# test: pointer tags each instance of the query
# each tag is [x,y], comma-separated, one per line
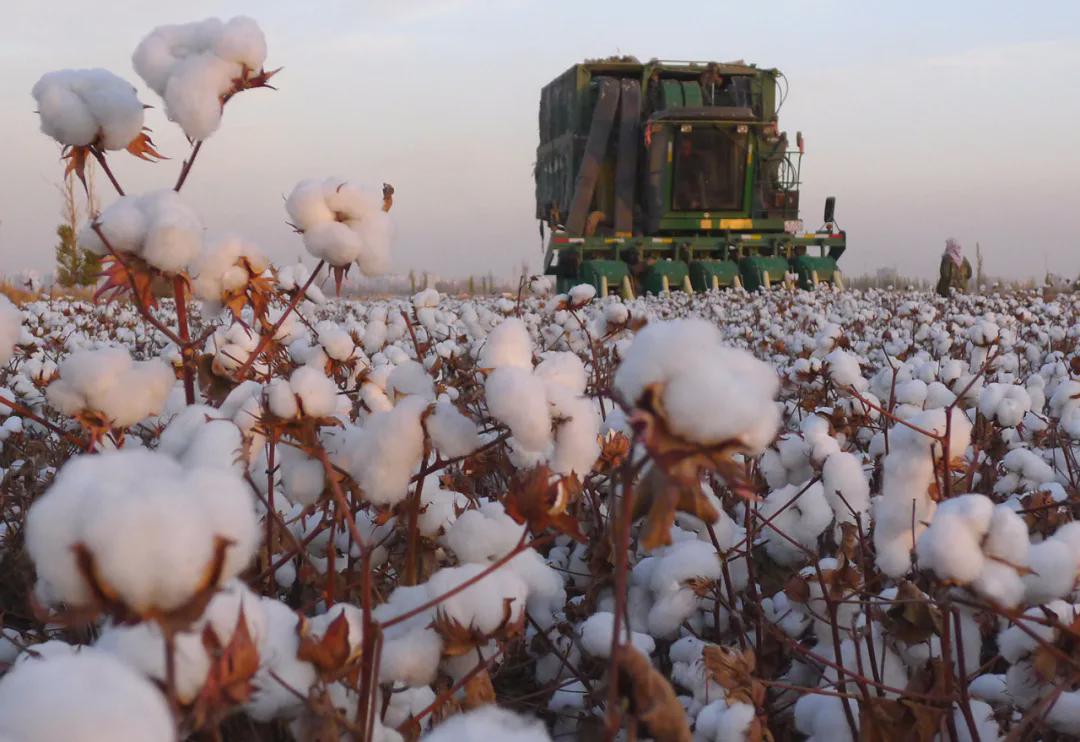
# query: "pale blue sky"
[924,118]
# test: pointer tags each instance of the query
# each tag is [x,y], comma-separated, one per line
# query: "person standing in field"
[955,272]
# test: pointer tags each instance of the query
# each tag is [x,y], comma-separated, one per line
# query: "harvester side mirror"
[799,142]
[830,209]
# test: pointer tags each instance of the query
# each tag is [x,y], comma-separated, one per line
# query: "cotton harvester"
[674,175]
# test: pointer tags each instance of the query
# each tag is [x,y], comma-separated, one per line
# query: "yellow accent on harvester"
[736,224]
[706,224]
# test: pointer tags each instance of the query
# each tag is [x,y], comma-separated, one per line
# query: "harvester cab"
[674,176]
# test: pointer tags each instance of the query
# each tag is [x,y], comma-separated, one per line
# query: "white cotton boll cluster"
[151,526]
[711,393]
[142,646]
[198,437]
[846,489]
[972,542]
[83,107]
[231,348]
[721,721]
[193,65]
[844,370]
[1006,404]
[531,401]
[674,601]
[904,506]
[307,393]
[224,267]
[342,224]
[157,227]
[452,433]
[486,724]
[86,696]
[439,509]
[822,718]
[383,454]
[109,382]
[596,633]
[10,329]
[487,534]
[1024,471]
[280,671]
[799,513]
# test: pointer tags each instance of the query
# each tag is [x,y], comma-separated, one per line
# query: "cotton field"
[235,506]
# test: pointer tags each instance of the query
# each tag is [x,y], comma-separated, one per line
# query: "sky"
[924,119]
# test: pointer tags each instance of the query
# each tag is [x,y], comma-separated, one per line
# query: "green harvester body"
[666,176]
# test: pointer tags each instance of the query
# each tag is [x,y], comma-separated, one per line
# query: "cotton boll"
[489,723]
[108,382]
[242,42]
[10,329]
[483,535]
[439,509]
[280,671]
[951,548]
[307,206]
[383,455]
[597,631]
[90,697]
[485,604]
[576,433]
[452,433]
[1064,715]
[149,524]
[986,727]
[410,377]
[846,488]
[1053,572]
[518,399]
[83,107]
[342,224]
[316,393]
[802,521]
[564,369]
[508,345]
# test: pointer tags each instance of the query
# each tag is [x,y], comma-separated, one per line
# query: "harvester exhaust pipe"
[830,209]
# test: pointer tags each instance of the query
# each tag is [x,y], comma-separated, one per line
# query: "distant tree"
[74,265]
[412,281]
[472,286]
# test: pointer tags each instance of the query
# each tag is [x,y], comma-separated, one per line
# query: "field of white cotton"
[234,508]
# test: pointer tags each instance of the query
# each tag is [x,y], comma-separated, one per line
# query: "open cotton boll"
[564,369]
[674,600]
[452,433]
[142,646]
[342,223]
[577,431]
[518,398]
[439,509]
[596,633]
[193,65]
[316,394]
[108,382]
[224,266]
[846,488]
[486,724]
[410,377]
[1005,403]
[508,345]
[1064,715]
[698,373]
[83,107]
[1053,571]
[10,328]
[485,534]
[382,455]
[822,718]
[485,604]
[802,521]
[157,227]
[88,696]
[150,525]
[280,671]
[844,370]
